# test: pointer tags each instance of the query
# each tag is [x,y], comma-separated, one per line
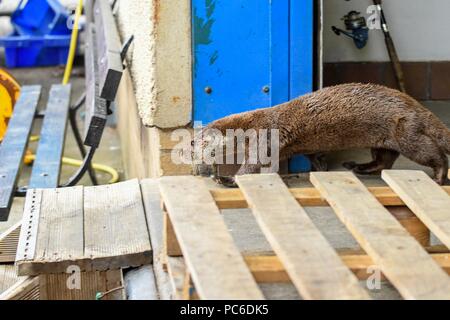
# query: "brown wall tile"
[424,80]
[417,79]
[440,81]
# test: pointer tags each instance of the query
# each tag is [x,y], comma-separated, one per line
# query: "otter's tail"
[440,133]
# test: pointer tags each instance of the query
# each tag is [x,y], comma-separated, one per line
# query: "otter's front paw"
[442,181]
[226,181]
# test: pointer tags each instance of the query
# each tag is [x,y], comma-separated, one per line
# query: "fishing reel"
[357,28]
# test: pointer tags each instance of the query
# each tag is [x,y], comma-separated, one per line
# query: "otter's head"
[204,145]
[208,144]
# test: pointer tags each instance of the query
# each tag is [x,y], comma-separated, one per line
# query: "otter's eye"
[192,143]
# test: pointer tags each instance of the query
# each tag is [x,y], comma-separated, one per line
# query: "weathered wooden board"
[8,277]
[54,286]
[401,258]
[60,237]
[96,109]
[116,233]
[217,267]
[26,288]
[8,244]
[176,268]
[307,197]
[313,265]
[94,228]
[155,222]
[425,198]
[47,166]
[89,10]
[269,269]
[14,144]
[110,67]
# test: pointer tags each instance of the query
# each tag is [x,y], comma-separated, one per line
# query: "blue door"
[250,54]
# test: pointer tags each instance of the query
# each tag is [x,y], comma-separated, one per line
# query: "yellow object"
[29,158]
[35,138]
[73,43]
[9,93]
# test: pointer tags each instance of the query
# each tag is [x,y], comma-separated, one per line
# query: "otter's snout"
[204,170]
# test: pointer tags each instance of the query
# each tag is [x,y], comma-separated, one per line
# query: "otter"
[351,116]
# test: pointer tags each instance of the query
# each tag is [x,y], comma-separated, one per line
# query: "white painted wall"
[420,29]
[160,59]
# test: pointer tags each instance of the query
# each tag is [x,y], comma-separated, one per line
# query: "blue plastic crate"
[28,51]
[299,163]
[40,17]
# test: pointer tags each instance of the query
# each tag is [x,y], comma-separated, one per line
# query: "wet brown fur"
[352,116]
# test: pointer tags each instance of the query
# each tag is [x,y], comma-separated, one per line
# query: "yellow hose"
[77,163]
[73,43]
[29,158]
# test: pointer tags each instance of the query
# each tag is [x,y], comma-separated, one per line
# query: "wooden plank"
[47,166]
[59,241]
[8,277]
[91,283]
[89,10]
[412,224]
[27,288]
[96,110]
[9,241]
[269,268]
[307,197]
[61,228]
[110,67]
[177,273]
[425,198]
[116,234]
[115,285]
[94,228]
[313,265]
[155,222]
[401,258]
[171,245]
[14,144]
[216,265]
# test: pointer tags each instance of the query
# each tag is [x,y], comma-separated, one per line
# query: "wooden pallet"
[94,228]
[203,261]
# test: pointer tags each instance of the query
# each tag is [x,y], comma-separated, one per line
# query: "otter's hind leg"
[424,151]
[382,159]
[441,172]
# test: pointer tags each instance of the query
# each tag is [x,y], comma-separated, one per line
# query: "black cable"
[73,181]
[76,132]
